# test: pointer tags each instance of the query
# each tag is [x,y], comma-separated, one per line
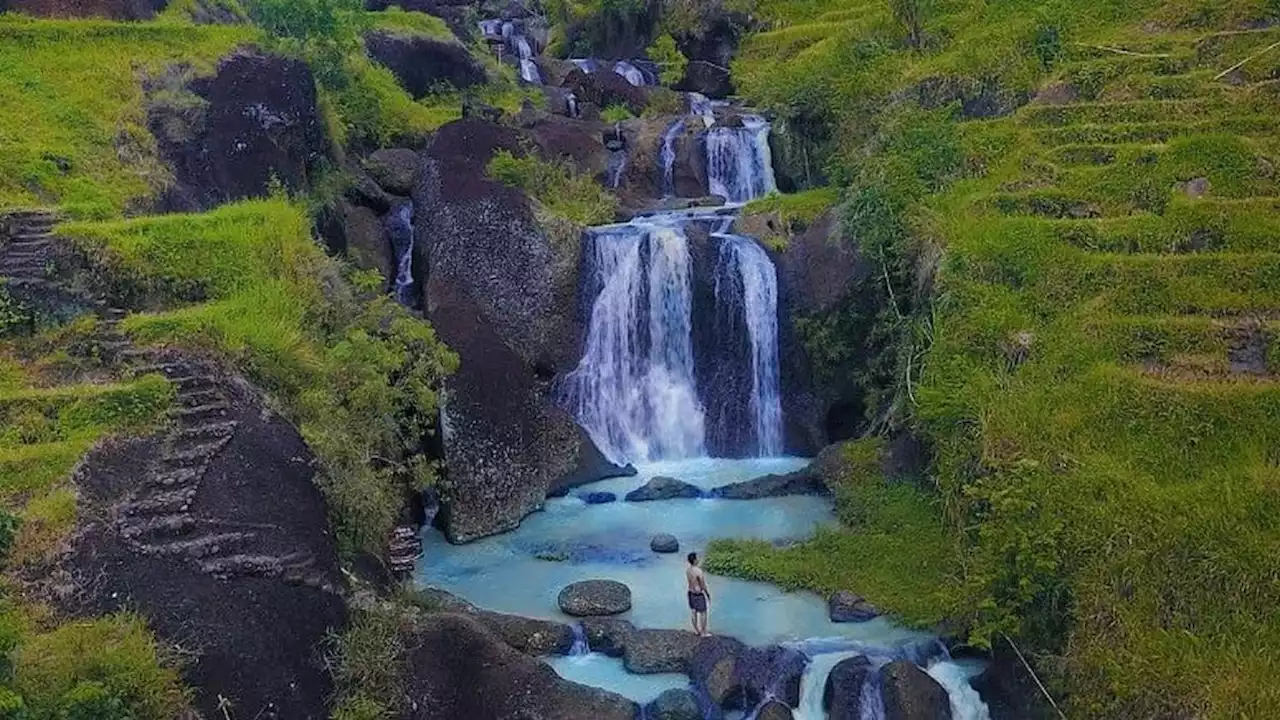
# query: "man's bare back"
[697,579]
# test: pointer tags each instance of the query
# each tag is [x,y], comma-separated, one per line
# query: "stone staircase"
[159,516]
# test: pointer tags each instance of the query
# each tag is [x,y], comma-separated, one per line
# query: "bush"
[616,114]
[671,62]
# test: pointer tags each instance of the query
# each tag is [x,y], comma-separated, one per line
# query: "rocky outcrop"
[109,9]
[456,668]
[737,677]
[664,488]
[395,170]
[216,533]
[422,64]
[608,635]
[713,670]
[356,232]
[842,695]
[598,498]
[674,704]
[800,482]
[774,710]
[503,296]
[664,543]
[847,607]
[528,635]
[604,88]
[910,694]
[252,123]
[659,651]
[595,597]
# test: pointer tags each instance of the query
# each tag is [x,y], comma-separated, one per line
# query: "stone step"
[198,398]
[160,526]
[164,503]
[194,382]
[169,478]
[200,547]
[193,454]
[25,252]
[202,413]
[164,368]
[207,431]
[268,565]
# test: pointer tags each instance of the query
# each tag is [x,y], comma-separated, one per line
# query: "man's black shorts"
[697,602]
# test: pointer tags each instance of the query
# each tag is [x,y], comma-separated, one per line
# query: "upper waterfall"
[739,162]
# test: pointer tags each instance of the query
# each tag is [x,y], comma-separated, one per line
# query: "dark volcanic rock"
[598,498]
[505,298]
[846,607]
[842,695]
[707,78]
[528,635]
[774,710]
[595,597]
[664,543]
[258,123]
[247,572]
[111,9]
[459,669]
[674,704]
[422,64]
[607,635]
[664,488]
[659,651]
[395,170]
[910,694]
[356,231]
[800,482]
[713,669]
[604,88]
[772,670]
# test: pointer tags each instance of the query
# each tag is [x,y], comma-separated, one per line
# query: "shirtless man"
[699,595]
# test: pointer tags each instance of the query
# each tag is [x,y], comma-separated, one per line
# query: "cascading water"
[669,158]
[739,162]
[617,166]
[398,226]
[630,72]
[747,282]
[580,646]
[528,68]
[634,388]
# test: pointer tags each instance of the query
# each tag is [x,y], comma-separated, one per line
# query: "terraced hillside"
[1088,196]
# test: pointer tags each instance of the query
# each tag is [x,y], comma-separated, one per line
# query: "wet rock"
[394,169]
[258,123]
[364,191]
[595,597]
[910,694]
[422,64]
[774,710]
[708,78]
[457,668]
[801,482]
[604,88]
[528,635]
[598,498]
[674,704]
[356,232]
[664,543]
[847,607]
[659,651]
[608,635]
[713,669]
[773,671]
[664,488]
[842,695]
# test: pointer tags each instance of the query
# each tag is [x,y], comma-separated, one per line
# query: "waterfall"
[617,166]
[669,158]
[966,703]
[739,163]
[491,28]
[630,72]
[580,645]
[704,107]
[634,389]
[398,226]
[747,282]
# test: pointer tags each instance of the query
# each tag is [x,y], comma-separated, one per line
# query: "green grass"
[73,99]
[795,212]
[396,20]
[559,189]
[355,371]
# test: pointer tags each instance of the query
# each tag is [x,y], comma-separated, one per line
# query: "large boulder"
[708,78]
[607,635]
[674,704]
[456,668]
[713,669]
[664,488]
[910,694]
[773,671]
[356,232]
[774,710]
[800,482]
[109,9]
[847,607]
[604,88]
[529,635]
[665,543]
[842,696]
[395,170]
[659,651]
[503,296]
[590,598]
[422,64]
[253,123]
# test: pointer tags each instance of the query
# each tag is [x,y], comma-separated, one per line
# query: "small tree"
[671,62]
[911,13]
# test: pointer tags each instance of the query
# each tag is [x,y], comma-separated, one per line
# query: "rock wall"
[504,297]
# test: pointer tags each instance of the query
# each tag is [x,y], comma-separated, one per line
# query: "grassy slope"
[1116,490]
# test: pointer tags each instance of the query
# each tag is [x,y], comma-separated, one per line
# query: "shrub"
[671,62]
[616,114]
[368,661]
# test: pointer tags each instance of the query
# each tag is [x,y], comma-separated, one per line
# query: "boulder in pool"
[664,488]
[847,607]
[774,710]
[530,636]
[842,695]
[773,671]
[607,635]
[664,543]
[801,482]
[713,668]
[595,597]
[659,651]
[674,704]
[598,498]
[910,694]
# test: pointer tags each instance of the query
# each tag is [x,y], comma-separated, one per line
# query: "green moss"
[399,21]
[795,212]
[557,187]
[74,117]
[616,114]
